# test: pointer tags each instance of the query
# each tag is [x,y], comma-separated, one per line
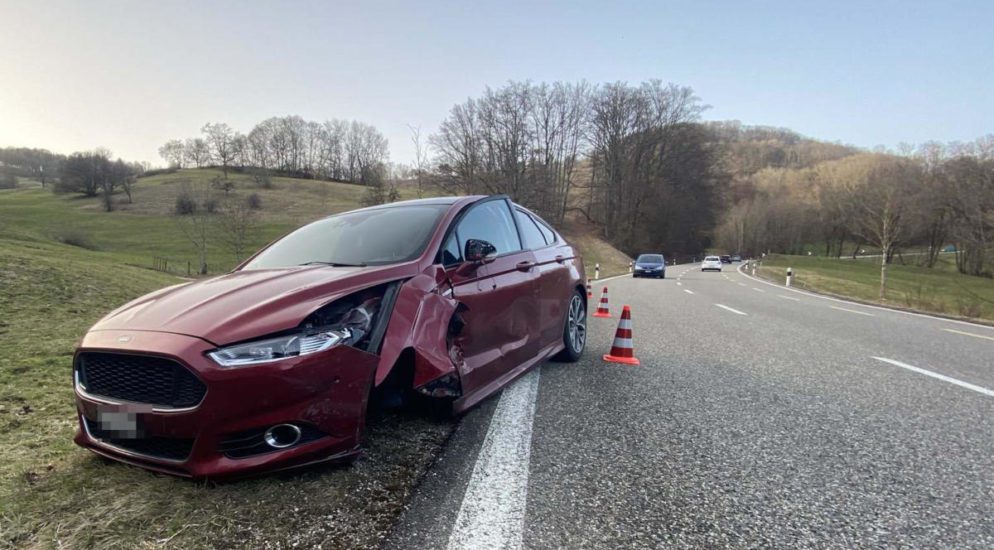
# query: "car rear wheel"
[574,331]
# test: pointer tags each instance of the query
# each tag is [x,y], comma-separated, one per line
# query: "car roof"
[432,201]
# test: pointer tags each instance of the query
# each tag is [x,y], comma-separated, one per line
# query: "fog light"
[282,436]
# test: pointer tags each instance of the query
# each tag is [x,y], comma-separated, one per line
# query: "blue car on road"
[650,265]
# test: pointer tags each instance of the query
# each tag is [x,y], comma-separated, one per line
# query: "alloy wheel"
[577,324]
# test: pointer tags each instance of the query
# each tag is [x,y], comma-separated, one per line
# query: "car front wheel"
[574,331]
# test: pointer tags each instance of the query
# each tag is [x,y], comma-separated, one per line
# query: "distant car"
[736,258]
[726,259]
[650,265]
[711,263]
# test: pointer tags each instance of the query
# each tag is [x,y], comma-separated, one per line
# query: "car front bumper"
[324,394]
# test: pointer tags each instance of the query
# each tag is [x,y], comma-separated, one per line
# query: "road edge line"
[492,512]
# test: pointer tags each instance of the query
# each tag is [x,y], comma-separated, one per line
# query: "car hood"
[244,304]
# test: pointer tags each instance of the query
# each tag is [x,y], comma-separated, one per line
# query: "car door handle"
[560,258]
[525,266]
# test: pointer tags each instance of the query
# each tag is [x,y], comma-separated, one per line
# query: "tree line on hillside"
[94,173]
[25,162]
[335,150]
[922,197]
[632,158]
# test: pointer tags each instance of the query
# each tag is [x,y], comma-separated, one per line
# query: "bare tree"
[970,185]
[238,223]
[124,176]
[197,225]
[197,152]
[881,191]
[378,191]
[173,152]
[522,139]
[420,157]
[646,153]
[223,143]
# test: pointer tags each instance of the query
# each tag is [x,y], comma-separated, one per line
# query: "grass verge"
[940,290]
[54,494]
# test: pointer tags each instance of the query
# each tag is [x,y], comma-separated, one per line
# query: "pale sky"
[131,75]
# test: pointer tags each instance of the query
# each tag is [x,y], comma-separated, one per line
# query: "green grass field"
[938,290]
[53,494]
[136,233]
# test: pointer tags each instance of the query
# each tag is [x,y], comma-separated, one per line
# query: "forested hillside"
[923,198]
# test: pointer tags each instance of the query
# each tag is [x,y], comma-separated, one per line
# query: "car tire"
[574,330]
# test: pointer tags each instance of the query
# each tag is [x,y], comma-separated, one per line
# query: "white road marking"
[853,311]
[688,291]
[789,298]
[730,309]
[492,514]
[758,289]
[598,281]
[678,283]
[954,331]
[742,284]
[942,377]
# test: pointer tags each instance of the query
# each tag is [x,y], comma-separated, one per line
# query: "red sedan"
[272,366]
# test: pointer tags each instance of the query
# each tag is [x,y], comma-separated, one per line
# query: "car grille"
[140,379]
[252,442]
[167,448]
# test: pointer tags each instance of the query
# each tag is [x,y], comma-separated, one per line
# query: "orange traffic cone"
[590,289]
[622,350]
[602,309]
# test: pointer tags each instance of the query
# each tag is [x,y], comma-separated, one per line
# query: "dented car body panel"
[272,367]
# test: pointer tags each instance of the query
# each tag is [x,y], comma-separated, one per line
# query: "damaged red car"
[272,365]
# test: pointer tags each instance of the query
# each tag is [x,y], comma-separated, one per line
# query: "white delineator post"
[790,276]
[629,267]
[597,271]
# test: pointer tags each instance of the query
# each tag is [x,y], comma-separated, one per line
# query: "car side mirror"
[479,251]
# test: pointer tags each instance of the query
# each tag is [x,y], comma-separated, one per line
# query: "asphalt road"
[759,417]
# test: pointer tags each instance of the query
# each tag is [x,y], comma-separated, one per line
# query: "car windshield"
[367,237]
[711,259]
[650,259]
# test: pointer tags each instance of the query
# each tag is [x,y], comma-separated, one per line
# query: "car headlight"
[282,347]
[348,321]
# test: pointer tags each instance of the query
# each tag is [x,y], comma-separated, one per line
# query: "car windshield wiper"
[334,264]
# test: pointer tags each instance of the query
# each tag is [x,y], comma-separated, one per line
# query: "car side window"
[548,233]
[529,231]
[491,222]
[451,254]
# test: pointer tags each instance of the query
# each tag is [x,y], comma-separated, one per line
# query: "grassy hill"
[136,233]
[53,494]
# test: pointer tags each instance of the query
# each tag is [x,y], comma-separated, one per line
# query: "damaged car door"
[495,281]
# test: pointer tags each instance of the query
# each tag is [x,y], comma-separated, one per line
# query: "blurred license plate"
[122,425]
